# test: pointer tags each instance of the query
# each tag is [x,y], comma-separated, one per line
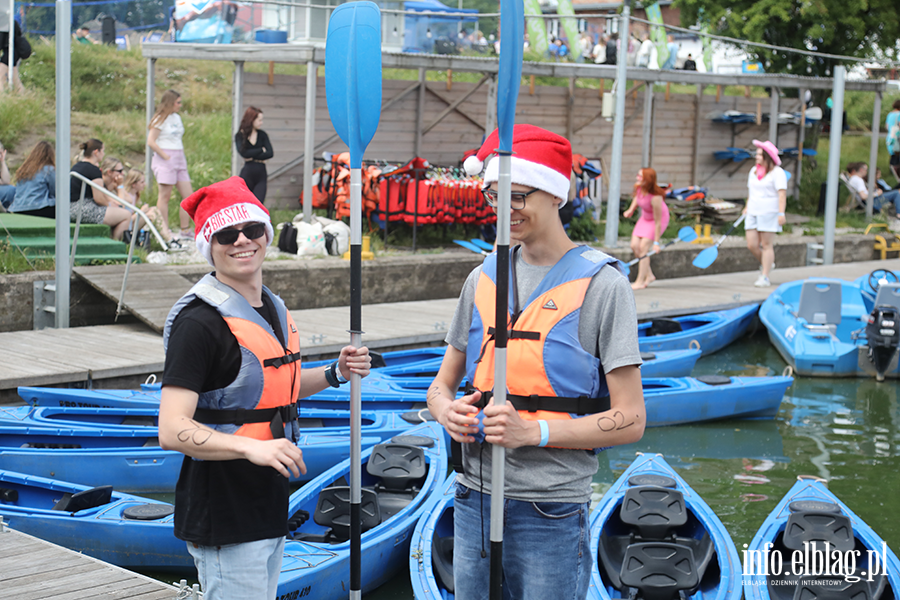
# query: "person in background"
[255,148]
[577,325]
[36,183]
[886,202]
[880,182]
[562,51]
[7,190]
[96,207]
[892,126]
[672,47]
[169,165]
[228,409]
[21,51]
[587,44]
[83,35]
[599,51]
[689,64]
[646,54]
[766,203]
[131,191]
[612,50]
[648,230]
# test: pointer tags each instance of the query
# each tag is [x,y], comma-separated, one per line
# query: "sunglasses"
[226,237]
[119,170]
[516,199]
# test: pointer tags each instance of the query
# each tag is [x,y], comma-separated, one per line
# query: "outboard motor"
[883,335]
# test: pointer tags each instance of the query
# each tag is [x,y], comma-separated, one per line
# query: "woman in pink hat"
[766,201]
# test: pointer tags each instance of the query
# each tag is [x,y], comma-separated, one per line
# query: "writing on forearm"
[197,435]
[614,423]
[433,392]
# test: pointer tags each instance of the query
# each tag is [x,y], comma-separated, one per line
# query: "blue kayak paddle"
[470,246]
[685,234]
[482,244]
[353,94]
[709,255]
[509,80]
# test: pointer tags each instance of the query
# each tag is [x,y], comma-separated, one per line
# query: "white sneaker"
[763,281]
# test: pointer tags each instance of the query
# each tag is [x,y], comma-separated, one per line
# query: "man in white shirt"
[858,172]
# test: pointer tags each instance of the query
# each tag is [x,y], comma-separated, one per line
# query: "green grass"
[12,261]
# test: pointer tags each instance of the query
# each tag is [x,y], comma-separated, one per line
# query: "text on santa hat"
[225,218]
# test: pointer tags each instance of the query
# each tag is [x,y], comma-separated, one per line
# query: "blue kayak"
[653,535]
[710,331]
[431,549]
[399,478]
[125,530]
[819,326]
[131,461]
[860,564]
[144,421]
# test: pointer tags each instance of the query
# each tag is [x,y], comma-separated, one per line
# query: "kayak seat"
[85,499]
[663,326]
[820,303]
[139,421]
[148,512]
[824,587]
[648,356]
[653,511]
[659,570]
[819,527]
[402,470]
[417,416]
[333,511]
[888,295]
[8,495]
[442,561]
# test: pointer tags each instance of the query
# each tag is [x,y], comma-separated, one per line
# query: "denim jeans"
[892,196]
[247,571]
[546,548]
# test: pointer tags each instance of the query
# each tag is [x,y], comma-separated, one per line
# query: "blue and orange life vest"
[544,356]
[260,402]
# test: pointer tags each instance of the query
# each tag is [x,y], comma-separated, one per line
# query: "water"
[844,430]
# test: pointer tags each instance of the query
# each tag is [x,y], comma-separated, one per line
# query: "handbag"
[287,239]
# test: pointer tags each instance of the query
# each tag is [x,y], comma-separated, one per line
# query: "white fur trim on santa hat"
[525,172]
[232,215]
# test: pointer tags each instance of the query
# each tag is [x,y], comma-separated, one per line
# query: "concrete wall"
[325,282]
[550,107]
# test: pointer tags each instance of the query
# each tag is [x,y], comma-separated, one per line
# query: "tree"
[860,28]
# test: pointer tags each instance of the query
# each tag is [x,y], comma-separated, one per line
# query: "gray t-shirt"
[607,328]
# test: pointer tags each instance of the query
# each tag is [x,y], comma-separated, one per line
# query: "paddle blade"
[353,75]
[687,234]
[482,244]
[706,257]
[512,36]
[470,246]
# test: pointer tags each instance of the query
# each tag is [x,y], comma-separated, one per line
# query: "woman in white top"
[766,202]
[169,164]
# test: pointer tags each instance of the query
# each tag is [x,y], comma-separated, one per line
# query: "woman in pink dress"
[648,196]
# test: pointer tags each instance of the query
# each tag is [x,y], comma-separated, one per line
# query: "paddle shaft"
[730,229]
[635,261]
[355,385]
[498,453]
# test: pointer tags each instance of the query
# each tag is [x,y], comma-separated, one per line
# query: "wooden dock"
[118,355]
[32,569]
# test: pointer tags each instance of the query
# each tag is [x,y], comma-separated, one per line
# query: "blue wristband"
[545,433]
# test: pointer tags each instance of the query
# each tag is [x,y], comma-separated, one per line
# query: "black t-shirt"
[261,150]
[88,170]
[220,502]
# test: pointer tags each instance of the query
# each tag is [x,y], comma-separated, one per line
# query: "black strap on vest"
[533,403]
[276,417]
[282,360]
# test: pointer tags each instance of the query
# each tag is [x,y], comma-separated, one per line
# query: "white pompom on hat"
[541,159]
[221,205]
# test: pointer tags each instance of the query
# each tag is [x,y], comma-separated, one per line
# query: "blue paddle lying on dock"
[471,246]
[685,234]
[353,93]
[709,256]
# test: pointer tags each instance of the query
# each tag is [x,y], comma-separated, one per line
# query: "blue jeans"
[7,195]
[247,571]
[891,197]
[546,548]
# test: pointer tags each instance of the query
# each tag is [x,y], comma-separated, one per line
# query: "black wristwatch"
[333,375]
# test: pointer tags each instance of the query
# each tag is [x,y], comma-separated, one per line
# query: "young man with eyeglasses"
[230,386]
[573,384]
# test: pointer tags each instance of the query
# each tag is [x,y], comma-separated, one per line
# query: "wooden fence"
[451,123]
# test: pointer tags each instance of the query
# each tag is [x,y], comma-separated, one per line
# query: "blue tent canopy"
[428,33]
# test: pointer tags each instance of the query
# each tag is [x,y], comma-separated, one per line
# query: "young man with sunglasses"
[573,384]
[230,386]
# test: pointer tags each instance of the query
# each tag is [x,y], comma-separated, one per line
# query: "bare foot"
[649,280]
[638,285]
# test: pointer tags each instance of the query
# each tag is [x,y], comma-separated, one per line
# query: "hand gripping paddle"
[353,93]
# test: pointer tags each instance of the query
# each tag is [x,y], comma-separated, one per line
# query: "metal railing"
[135,229]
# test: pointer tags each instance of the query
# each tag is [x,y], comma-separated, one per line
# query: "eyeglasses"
[226,237]
[119,170]
[516,199]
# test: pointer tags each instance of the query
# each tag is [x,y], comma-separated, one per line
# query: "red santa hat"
[221,205]
[541,159]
